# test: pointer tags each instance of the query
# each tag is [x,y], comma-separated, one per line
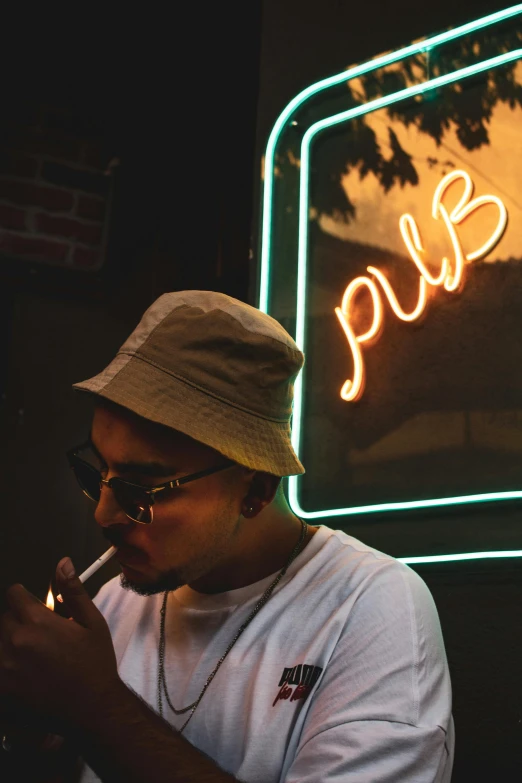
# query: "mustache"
[115,535]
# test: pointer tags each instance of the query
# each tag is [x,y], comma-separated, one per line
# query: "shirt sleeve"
[381,713]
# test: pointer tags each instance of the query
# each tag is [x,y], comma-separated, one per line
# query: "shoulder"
[388,637]
[353,568]
[374,596]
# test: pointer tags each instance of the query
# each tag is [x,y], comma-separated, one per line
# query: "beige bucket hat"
[215,369]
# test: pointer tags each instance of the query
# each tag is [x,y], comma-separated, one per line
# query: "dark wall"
[173,100]
[479,602]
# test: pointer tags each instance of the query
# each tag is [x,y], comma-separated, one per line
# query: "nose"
[108,511]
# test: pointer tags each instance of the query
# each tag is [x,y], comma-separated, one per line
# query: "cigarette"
[93,568]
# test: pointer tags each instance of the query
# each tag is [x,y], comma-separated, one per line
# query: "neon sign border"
[303,224]
[308,137]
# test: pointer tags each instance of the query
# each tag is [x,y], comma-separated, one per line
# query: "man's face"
[195,527]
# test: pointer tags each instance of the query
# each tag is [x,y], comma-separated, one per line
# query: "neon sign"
[289,292]
[450,275]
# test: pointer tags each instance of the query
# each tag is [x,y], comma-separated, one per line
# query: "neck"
[262,546]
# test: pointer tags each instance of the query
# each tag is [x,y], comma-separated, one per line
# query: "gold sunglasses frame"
[72,457]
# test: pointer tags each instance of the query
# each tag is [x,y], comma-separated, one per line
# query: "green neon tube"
[461,556]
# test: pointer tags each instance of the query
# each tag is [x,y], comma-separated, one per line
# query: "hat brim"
[250,440]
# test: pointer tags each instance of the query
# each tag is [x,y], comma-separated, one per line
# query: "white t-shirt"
[340,678]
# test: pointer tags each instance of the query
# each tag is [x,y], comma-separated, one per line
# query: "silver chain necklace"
[162,685]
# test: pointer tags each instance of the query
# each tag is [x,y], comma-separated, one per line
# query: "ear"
[262,490]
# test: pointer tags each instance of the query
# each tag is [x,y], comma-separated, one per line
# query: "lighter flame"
[50,600]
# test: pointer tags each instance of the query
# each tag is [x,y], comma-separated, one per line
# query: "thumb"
[75,595]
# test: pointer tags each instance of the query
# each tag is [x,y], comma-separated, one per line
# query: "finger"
[8,623]
[22,603]
[75,596]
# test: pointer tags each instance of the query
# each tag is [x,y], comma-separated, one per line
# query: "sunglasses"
[136,500]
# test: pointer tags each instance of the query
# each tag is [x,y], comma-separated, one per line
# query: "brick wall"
[55,190]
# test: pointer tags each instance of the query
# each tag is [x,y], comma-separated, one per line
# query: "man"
[239,643]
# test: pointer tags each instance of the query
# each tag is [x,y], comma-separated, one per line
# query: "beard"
[166,583]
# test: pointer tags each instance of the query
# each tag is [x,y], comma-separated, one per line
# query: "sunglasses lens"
[88,478]
[133,501]
[136,503]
